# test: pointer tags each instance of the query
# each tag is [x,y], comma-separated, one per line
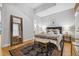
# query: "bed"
[52,35]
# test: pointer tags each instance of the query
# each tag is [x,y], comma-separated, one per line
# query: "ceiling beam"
[55,9]
[43,7]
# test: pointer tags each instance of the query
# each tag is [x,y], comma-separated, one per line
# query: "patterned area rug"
[36,50]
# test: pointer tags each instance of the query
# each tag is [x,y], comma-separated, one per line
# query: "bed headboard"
[60,28]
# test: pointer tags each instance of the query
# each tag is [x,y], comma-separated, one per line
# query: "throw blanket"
[46,36]
[56,39]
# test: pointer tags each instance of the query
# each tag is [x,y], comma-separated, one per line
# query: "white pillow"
[57,31]
[51,33]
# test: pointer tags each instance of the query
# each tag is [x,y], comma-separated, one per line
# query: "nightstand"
[67,38]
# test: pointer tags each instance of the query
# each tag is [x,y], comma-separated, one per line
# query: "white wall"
[64,19]
[12,9]
[77,25]
[0,29]
[0,15]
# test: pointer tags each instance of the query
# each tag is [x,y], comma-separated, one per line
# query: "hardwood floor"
[66,51]
[5,50]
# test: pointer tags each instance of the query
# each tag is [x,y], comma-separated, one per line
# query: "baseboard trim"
[26,40]
[7,45]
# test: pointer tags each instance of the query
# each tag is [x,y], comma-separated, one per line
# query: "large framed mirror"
[16,28]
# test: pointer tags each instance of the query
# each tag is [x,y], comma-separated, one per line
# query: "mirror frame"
[11,29]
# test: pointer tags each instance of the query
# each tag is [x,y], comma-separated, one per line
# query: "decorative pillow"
[51,33]
[57,31]
[54,31]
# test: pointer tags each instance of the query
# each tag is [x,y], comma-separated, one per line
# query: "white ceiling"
[58,8]
[50,10]
[34,5]
[43,7]
[30,5]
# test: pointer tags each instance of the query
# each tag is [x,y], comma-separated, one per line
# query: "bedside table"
[67,38]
